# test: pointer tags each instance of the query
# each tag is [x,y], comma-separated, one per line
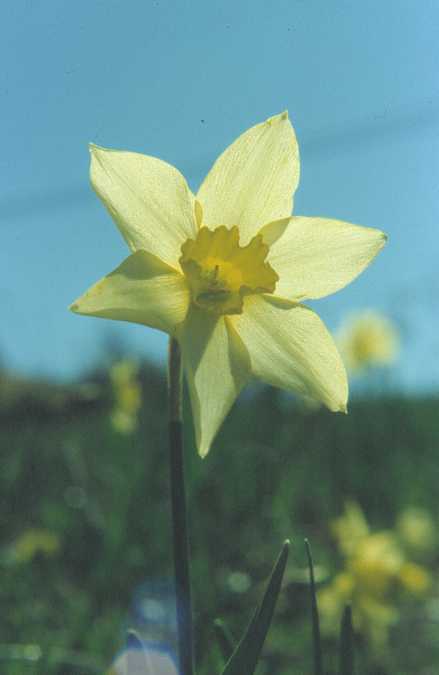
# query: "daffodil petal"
[143,289]
[253,181]
[217,365]
[148,200]
[291,348]
[317,256]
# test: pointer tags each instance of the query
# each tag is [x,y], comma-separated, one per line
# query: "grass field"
[85,516]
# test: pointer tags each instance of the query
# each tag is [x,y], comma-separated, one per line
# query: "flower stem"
[179,525]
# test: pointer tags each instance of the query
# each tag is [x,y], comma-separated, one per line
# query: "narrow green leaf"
[317,647]
[224,640]
[346,656]
[246,656]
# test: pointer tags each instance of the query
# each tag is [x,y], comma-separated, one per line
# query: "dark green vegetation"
[274,472]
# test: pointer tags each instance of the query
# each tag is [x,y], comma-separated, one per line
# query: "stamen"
[212,295]
[220,272]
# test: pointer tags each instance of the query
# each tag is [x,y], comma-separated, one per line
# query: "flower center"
[220,272]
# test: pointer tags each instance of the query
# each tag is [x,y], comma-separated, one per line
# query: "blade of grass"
[317,647]
[246,656]
[224,641]
[346,655]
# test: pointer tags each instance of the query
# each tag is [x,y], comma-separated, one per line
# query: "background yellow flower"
[368,339]
[127,395]
[377,570]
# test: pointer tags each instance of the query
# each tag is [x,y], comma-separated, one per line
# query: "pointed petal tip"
[380,235]
[337,396]
[203,449]
[335,405]
[341,404]
[278,118]
[95,150]
[382,239]
[77,307]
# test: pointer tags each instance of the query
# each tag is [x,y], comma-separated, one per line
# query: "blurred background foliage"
[85,512]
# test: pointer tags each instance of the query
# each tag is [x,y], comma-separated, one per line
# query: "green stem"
[179,526]
[317,647]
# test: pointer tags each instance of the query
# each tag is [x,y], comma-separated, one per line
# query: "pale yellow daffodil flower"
[223,272]
[367,339]
[376,576]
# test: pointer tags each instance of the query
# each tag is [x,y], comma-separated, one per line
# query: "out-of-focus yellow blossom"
[32,542]
[350,529]
[367,339]
[376,573]
[416,529]
[127,395]
[415,579]
[224,271]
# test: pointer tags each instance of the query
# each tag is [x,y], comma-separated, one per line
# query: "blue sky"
[180,80]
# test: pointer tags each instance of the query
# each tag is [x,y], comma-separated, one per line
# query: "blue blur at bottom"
[145,659]
[151,630]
